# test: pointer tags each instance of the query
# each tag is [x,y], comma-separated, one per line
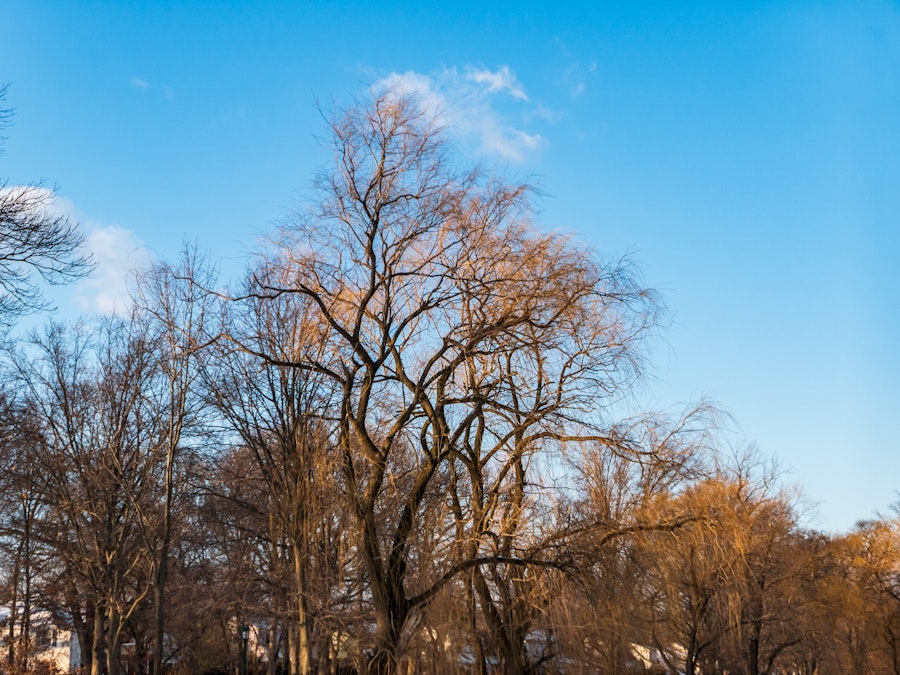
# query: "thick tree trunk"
[84,631]
[753,656]
[513,658]
[292,649]
[387,638]
[390,617]
[113,644]
[303,641]
[98,644]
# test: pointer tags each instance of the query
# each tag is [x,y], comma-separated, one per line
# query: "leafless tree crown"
[36,243]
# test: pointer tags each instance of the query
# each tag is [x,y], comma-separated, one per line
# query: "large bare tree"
[458,337]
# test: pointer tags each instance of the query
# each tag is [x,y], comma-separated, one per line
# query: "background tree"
[874,572]
[768,582]
[86,390]
[22,509]
[836,621]
[624,482]
[176,311]
[280,415]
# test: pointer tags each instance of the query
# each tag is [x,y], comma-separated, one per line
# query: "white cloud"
[471,105]
[501,80]
[118,253]
[510,143]
[138,83]
[422,87]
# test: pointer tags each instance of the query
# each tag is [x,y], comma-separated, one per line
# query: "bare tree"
[86,390]
[687,577]
[280,414]
[22,508]
[874,565]
[35,242]
[729,586]
[176,312]
[420,462]
[454,333]
[622,482]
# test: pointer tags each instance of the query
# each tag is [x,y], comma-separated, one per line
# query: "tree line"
[398,445]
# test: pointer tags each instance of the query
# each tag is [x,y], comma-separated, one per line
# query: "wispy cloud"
[118,253]
[500,80]
[143,85]
[487,106]
[574,75]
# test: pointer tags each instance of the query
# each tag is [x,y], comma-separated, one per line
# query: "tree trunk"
[690,659]
[302,610]
[474,637]
[113,643]
[390,616]
[272,646]
[98,644]
[753,655]
[512,652]
[292,649]
[159,617]
[11,641]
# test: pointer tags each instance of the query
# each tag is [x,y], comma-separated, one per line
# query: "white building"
[51,643]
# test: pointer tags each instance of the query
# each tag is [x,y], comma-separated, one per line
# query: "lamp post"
[245,633]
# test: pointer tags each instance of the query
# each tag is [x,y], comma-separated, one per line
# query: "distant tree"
[86,389]
[21,509]
[624,485]
[244,557]
[279,414]
[839,627]
[769,582]
[35,242]
[175,311]
[875,566]
[688,571]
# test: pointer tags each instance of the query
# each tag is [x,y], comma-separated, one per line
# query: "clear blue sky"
[746,154]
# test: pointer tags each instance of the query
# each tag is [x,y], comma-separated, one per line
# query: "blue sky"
[747,155]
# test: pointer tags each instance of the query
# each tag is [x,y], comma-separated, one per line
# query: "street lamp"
[245,633]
